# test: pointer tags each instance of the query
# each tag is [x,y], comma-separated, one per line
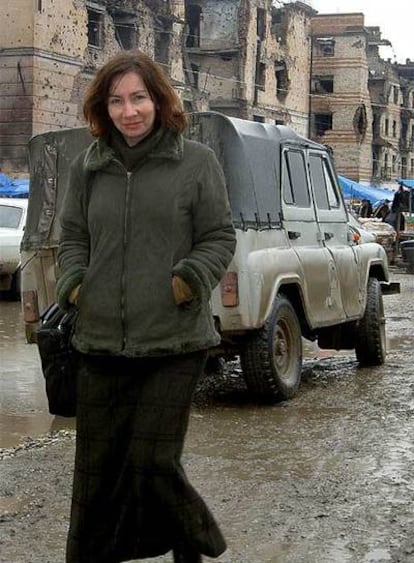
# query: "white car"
[12,221]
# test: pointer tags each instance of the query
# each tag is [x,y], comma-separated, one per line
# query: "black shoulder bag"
[58,359]
[57,355]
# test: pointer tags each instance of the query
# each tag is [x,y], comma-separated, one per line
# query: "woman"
[146,235]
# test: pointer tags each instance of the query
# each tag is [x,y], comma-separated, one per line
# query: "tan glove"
[181,291]
[74,295]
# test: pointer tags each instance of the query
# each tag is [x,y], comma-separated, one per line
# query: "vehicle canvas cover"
[250,154]
[50,156]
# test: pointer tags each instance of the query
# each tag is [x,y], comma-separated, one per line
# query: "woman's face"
[130,107]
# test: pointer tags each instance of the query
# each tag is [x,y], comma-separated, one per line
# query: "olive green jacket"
[125,234]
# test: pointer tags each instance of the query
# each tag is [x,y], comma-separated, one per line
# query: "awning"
[407,183]
[374,194]
[13,187]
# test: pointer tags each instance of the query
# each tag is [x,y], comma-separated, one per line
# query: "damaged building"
[51,49]
[251,59]
[245,58]
[269,61]
[361,105]
[341,113]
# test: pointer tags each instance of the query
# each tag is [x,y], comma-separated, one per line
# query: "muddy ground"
[323,478]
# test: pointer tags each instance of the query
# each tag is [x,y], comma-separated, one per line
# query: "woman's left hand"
[181,291]
[74,295]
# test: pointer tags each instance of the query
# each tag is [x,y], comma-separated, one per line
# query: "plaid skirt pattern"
[131,497]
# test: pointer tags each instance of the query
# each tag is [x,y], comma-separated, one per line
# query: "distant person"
[400,200]
[139,257]
[382,210]
[399,204]
[365,209]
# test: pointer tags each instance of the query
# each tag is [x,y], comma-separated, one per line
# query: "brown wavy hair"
[170,113]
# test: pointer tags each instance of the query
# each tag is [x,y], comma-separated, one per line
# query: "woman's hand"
[181,291]
[74,295]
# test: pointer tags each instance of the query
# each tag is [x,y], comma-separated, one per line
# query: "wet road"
[324,478]
[23,407]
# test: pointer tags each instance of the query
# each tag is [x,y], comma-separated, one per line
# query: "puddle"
[23,403]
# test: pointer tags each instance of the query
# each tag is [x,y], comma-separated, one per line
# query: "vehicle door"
[333,221]
[300,222]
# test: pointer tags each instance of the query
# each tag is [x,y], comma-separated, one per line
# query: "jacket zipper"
[123,278]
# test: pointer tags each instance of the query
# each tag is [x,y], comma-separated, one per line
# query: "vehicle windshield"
[10,216]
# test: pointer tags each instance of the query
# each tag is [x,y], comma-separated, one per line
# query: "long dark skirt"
[131,497]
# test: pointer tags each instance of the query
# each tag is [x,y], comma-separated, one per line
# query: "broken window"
[261,24]
[188,106]
[375,125]
[125,30]
[360,121]
[404,130]
[261,76]
[395,94]
[193,18]
[386,172]
[279,26]
[325,46]
[196,73]
[276,16]
[95,28]
[322,85]
[282,79]
[403,167]
[376,163]
[323,122]
[161,46]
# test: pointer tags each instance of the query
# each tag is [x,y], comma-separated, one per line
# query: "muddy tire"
[271,358]
[370,345]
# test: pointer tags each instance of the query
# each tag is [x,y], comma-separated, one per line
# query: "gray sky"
[395,18]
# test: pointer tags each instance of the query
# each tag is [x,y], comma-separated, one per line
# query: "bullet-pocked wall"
[252,59]
[51,50]
[340,98]
[43,44]
[16,83]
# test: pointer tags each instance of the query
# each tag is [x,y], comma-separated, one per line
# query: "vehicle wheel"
[271,358]
[370,336]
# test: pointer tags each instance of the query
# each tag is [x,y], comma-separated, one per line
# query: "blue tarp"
[374,194]
[407,183]
[13,187]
